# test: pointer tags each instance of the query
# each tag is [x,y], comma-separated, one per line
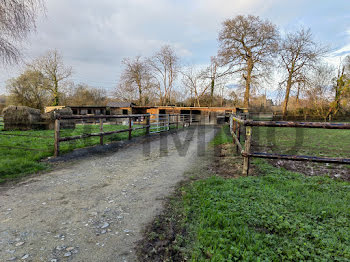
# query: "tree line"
[251,51]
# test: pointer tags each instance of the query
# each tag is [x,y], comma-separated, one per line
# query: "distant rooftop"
[120,104]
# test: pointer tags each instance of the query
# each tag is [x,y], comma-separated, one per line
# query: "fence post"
[234,130]
[148,122]
[190,122]
[57,138]
[177,121]
[238,134]
[101,130]
[129,128]
[247,144]
[168,122]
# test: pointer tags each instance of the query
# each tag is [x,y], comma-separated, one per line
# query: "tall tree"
[298,53]
[193,80]
[165,67]
[137,75]
[29,89]
[247,47]
[51,65]
[17,19]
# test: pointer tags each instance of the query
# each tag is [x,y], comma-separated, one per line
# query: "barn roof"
[120,104]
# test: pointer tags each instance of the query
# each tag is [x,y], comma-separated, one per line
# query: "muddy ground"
[96,208]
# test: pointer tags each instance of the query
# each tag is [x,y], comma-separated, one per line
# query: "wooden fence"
[146,122]
[236,124]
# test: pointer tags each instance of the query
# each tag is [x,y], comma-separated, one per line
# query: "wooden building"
[120,108]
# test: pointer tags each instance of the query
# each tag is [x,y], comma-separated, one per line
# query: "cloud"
[94,36]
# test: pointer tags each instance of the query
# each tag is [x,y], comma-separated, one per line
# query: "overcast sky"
[94,36]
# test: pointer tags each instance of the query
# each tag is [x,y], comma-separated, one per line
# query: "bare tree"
[216,74]
[125,92]
[318,89]
[137,75]
[165,68]
[83,95]
[52,67]
[247,46]
[29,89]
[298,53]
[17,19]
[193,80]
[341,87]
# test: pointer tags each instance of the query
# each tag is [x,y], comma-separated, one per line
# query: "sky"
[94,36]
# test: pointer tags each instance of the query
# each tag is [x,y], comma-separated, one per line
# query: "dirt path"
[96,208]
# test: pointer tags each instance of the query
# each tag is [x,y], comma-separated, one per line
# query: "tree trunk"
[298,93]
[56,101]
[140,97]
[212,91]
[286,99]
[247,84]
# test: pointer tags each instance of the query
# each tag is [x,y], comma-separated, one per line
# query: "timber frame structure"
[235,128]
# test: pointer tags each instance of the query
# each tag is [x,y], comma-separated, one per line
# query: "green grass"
[15,163]
[278,216]
[304,141]
[223,137]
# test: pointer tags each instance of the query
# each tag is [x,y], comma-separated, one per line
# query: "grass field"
[15,163]
[304,141]
[277,216]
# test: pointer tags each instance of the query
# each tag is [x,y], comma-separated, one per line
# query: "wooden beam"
[247,145]
[297,124]
[57,138]
[301,158]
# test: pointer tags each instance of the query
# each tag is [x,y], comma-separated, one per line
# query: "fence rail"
[235,128]
[148,122]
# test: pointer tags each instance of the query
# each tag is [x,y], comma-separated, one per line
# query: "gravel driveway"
[95,208]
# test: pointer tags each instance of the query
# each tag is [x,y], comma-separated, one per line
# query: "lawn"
[15,163]
[277,216]
[303,141]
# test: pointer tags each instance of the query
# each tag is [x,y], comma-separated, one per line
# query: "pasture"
[21,155]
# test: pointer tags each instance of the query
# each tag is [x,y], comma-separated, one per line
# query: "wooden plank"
[238,137]
[57,138]
[247,144]
[297,124]
[69,138]
[301,158]
[101,131]
[241,121]
[130,130]
[148,124]
[97,116]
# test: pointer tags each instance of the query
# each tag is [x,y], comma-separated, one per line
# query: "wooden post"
[57,138]
[168,122]
[130,128]
[190,122]
[247,145]
[234,127]
[101,130]
[148,122]
[238,134]
[177,121]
